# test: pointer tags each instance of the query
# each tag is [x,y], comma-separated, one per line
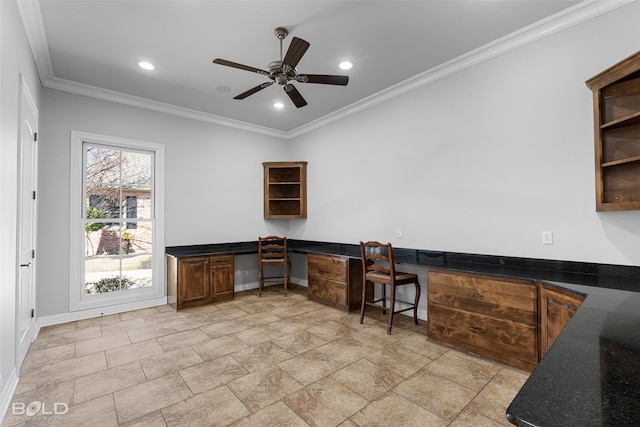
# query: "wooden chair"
[272,250]
[379,268]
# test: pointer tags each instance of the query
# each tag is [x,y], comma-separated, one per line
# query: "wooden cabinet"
[193,281]
[557,307]
[221,268]
[335,281]
[199,280]
[616,107]
[285,190]
[493,317]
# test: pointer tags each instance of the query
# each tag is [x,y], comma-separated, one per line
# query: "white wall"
[213,181]
[479,162]
[16,59]
[482,161]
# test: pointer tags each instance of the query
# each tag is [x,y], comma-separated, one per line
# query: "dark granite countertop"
[591,374]
[600,275]
[238,248]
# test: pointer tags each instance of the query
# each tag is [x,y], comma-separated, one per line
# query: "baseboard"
[57,319]
[8,389]
[245,287]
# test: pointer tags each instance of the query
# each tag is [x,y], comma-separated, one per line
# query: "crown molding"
[581,12]
[567,18]
[34,28]
[149,104]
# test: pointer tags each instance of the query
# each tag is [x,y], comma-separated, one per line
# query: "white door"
[26,223]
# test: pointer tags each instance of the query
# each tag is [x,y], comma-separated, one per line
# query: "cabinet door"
[556,309]
[221,276]
[193,279]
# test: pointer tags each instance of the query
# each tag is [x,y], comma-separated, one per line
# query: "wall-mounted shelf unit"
[616,108]
[285,190]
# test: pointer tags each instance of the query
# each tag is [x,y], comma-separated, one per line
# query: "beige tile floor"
[270,361]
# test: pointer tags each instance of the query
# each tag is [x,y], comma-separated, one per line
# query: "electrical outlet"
[547,237]
[399,232]
[400,289]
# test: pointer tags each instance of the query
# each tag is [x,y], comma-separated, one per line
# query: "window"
[117,210]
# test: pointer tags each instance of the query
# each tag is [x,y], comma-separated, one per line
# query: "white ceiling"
[92,47]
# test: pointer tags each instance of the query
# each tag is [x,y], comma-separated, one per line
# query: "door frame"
[26,97]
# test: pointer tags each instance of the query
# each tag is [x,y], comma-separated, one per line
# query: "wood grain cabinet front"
[221,277]
[199,280]
[491,316]
[335,281]
[557,307]
[285,190]
[616,111]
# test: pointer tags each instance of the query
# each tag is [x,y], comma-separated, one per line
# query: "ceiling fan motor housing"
[281,74]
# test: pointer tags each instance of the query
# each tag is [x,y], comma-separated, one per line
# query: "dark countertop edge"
[239,248]
[608,276]
[569,386]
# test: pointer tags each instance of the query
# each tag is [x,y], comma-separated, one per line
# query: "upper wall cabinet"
[616,107]
[285,190]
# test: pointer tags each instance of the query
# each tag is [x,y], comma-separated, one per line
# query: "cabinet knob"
[476,330]
[475,295]
[324,267]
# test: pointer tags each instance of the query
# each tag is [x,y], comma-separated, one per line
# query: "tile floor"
[270,361]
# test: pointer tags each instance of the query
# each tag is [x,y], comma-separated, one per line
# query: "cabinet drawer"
[333,293]
[489,336]
[221,259]
[328,267]
[507,299]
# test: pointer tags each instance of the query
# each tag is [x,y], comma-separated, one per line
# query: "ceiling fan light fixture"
[284,70]
[145,65]
[345,65]
[279,105]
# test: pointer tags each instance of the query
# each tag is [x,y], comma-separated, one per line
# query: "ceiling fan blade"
[323,79]
[295,96]
[297,48]
[240,66]
[251,91]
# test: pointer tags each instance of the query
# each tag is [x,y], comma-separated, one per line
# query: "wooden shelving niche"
[285,190]
[616,106]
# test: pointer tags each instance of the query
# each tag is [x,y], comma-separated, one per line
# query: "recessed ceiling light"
[278,104]
[146,65]
[345,65]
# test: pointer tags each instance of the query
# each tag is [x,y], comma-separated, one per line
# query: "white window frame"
[78,300]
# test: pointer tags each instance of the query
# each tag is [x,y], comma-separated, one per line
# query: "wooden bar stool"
[379,268]
[272,250]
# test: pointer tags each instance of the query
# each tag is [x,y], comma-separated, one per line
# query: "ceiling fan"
[284,71]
